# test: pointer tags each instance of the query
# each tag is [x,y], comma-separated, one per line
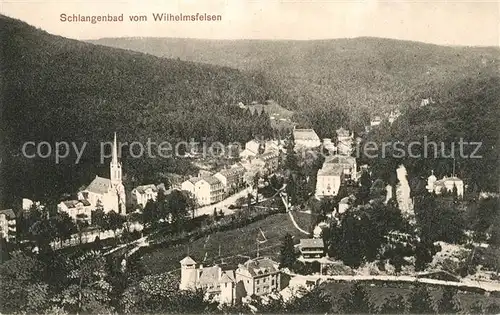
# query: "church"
[107,193]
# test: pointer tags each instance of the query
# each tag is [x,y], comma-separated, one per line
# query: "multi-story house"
[142,194]
[305,139]
[8,225]
[328,180]
[232,179]
[311,248]
[257,276]
[271,161]
[206,190]
[77,209]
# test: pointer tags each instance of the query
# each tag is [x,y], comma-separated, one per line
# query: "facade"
[271,161]
[77,209]
[403,191]
[328,180]
[312,248]
[448,184]
[251,149]
[231,178]
[142,194]
[306,139]
[107,193]
[8,225]
[206,190]
[257,276]
[329,146]
[375,121]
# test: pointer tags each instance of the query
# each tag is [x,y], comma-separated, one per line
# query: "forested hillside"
[361,76]
[56,89]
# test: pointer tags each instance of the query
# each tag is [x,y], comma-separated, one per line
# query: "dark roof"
[99,185]
[9,213]
[187,261]
[261,266]
[211,180]
[210,275]
[305,134]
[142,189]
[331,170]
[311,243]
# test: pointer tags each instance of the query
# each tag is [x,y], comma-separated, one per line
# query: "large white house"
[328,180]
[259,276]
[77,209]
[107,193]
[142,194]
[306,139]
[206,190]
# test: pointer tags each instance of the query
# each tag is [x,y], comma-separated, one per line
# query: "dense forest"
[57,89]
[363,76]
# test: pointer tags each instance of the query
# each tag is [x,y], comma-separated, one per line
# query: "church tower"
[115,167]
[115,176]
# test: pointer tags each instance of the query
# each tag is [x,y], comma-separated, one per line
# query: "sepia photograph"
[249,157]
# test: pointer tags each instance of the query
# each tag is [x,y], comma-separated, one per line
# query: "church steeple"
[115,166]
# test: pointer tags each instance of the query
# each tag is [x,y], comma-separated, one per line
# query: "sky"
[465,23]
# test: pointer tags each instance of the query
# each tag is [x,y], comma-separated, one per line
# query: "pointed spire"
[114,153]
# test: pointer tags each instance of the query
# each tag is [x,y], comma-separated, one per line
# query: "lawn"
[242,241]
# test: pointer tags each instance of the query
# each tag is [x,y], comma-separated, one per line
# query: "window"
[258,290]
[272,282]
[257,281]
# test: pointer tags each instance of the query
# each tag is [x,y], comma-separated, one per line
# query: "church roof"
[341,159]
[99,185]
[331,170]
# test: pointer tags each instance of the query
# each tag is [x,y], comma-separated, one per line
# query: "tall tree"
[356,301]
[420,301]
[449,302]
[287,254]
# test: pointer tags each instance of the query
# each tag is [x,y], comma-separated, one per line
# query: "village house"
[394,115]
[445,184]
[252,148]
[305,139]
[375,121]
[8,225]
[328,180]
[347,163]
[232,178]
[107,193]
[312,248]
[206,190]
[142,194]
[257,276]
[271,161]
[329,146]
[77,209]
[345,141]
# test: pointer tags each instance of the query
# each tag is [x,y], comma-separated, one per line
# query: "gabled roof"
[331,170]
[194,180]
[305,134]
[142,189]
[311,243]
[187,261]
[212,180]
[342,132]
[210,275]
[340,159]
[261,266]
[99,185]
[9,213]
[228,276]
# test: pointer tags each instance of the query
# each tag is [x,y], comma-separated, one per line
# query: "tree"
[22,288]
[363,195]
[288,256]
[310,302]
[98,217]
[178,203]
[356,301]
[449,302]
[115,221]
[88,290]
[65,226]
[394,304]
[420,301]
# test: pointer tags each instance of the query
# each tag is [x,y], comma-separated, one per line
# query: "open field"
[240,241]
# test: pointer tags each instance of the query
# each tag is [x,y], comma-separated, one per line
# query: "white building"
[77,209]
[445,184]
[257,276]
[206,190]
[107,193]
[8,225]
[142,194]
[375,121]
[347,163]
[306,139]
[328,180]
[403,191]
